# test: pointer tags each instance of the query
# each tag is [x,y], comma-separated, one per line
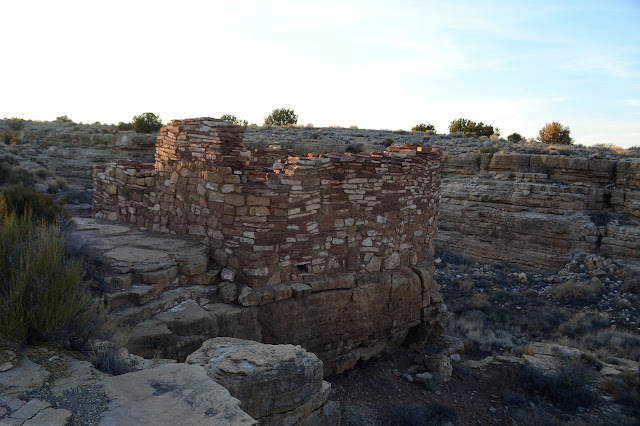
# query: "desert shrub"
[423,127]
[569,385]
[515,138]
[418,415]
[41,173]
[281,117]
[14,123]
[234,120]
[555,134]
[388,142]
[40,288]
[146,122]
[122,126]
[625,389]
[577,292]
[468,127]
[7,174]
[355,148]
[10,138]
[607,343]
[24,176]
[18,199]
[63,119]
[582,323]
[489,149]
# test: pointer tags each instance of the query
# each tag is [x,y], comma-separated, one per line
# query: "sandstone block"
[188,318]
[227,292]
[346,280]
[300,290]
[171,394]
[267,379]
[282,291]
[249,297]
[227,275]
[155,277]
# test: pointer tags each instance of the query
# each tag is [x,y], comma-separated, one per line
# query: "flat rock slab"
[168,395]
[127,249]
[27,375]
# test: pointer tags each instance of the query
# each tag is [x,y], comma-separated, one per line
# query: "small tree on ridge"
[147,122]
[555,134]
[281,117]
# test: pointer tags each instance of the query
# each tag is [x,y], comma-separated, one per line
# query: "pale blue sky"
[373,64]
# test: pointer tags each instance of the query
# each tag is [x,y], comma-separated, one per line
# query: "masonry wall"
[273,217]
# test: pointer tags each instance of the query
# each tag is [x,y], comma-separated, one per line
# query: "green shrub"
[234,120]
[388,142]
[355,148]
[468,127]
[555,134]
[515,138]
[40,288]
[14,123]
[7,174]
[122,126]
[281,117]
[18,199]
[10,138]
[147,122]
[423,128]
[63,119]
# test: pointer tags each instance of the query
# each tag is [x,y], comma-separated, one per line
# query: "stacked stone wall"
[273,217]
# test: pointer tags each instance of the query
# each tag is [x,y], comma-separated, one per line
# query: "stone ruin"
[331,252]
[271,217]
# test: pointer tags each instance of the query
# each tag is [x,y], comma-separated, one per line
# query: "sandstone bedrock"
[273,217]
[535,211]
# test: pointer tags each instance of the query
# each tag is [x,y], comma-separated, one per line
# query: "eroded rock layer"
[534,211]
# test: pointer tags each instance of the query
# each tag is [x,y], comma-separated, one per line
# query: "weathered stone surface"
[249,297]
[228,292]
[50,417]
[188,318]
[24,376]
[279,384]
[542,208]
[170,394]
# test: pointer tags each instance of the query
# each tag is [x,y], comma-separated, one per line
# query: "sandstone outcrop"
[276,384]
[534,211]
[340,318]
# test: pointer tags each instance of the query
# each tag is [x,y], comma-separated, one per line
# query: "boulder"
[276,384]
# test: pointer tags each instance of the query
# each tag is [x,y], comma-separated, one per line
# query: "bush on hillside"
[122,126]
[18,199]
[10,138]
[423,128]
[146,122]
[63,119]
[515,138]
[40,288]
[15,123]
[468,127]
[234,120]
[555,134]
[281,117]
